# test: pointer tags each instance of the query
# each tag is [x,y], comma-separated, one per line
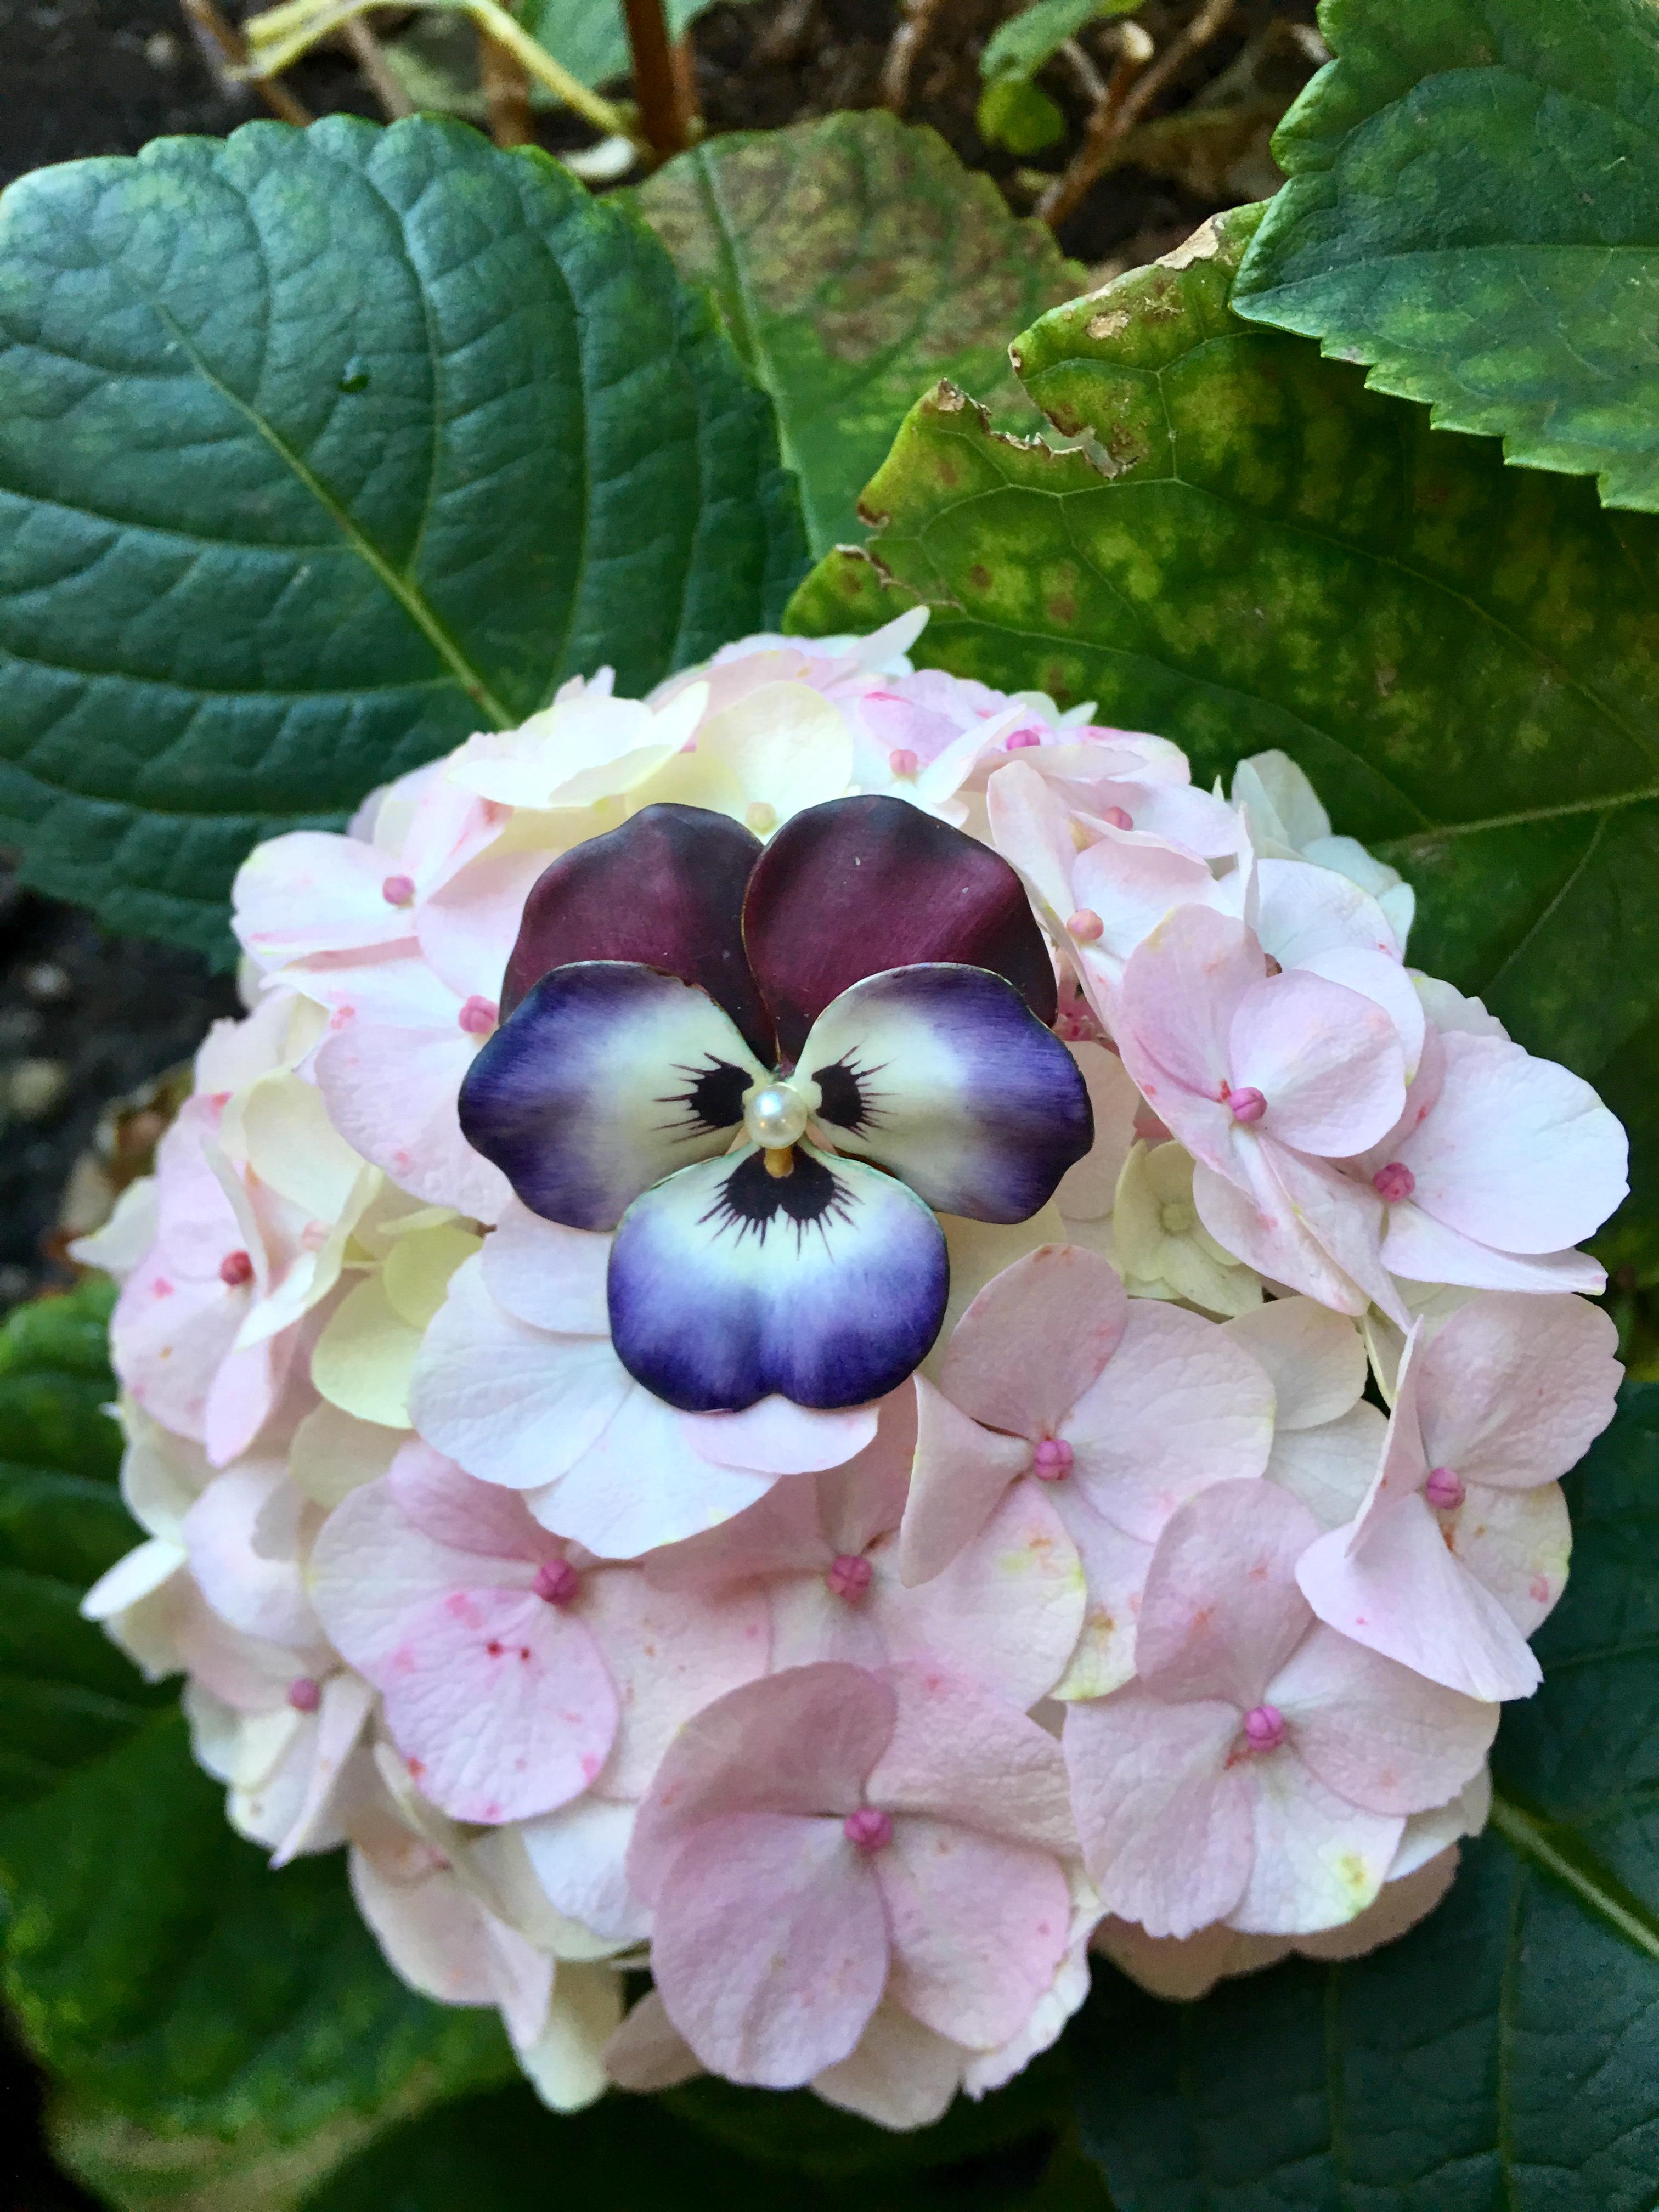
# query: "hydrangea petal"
[727,1284]
[1318,1860]
[1375,1732]
[579,1855]
[546,1274]
[901,2075]
[1327,1061]
[510,1403]
[978,1927]
[961,1471]
[1513,1389]
[943,1075]
[1008,1610]
[1517,1152]
[1222,1612]
[391,1093]
[670,1653]
[960,1753]
[640,1482]
[1166,1824]
[500,1702]
[1179,1406]
[1517,1544]
[1401,1592]
[850,889]
[1035,1339]
[773,1952]
[608,1077]
[802,1743]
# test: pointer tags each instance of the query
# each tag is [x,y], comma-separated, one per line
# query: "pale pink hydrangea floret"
[1008,1610]
[1261,1767]
[1459,1548]
[778,1933]
[1150,1404]
[1320,1070]
[519,1383]
[500,1659]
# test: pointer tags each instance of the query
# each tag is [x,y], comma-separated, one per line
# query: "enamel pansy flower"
[768,1070]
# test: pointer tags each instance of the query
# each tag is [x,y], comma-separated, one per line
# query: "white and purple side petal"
[606,1077]
[825,1285]
[943,1075]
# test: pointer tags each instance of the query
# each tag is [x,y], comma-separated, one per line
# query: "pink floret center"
[1085,926]
[869,1828]
[479,1016]
[236,1269]
[1021,739]
[849,1576]
[1393,1183]
[1052,1459]
[1118,818]
[904,762]
[556,1581]
[303,1694]
[1264,1728]
[1443,1489]
[1246,1103]
[398,890]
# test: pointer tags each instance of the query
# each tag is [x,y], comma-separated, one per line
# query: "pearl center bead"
[774,1116]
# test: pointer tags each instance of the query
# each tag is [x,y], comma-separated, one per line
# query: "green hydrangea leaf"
[1472,211]
[211,2021]
[1503,2054]
[157,1964]
[1020,46]
[590,37]
[317,451]
[501,2152]
[1245,548]
[1014,112]
[855,261]
[69,1696]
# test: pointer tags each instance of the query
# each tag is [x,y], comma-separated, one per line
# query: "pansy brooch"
[768,1070]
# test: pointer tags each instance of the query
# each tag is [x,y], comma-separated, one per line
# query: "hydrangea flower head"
[753,1362]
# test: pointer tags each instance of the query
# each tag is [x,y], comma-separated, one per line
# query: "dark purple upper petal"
[943,1075]
[858,885]
[608,1077]
[726,1284]
[666,889]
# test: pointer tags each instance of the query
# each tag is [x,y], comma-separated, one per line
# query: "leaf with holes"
[70,1696]
[1504,2053]
[319,450]
[1248,548]
[1474,210]
[855,260]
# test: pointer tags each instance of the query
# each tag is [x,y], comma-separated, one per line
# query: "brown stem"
[919,19]
[225,42]
[377,71]
[506,85]
[685,88]
[655,91]
[1129,92]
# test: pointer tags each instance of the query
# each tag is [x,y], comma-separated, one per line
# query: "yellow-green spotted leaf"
[1246,548]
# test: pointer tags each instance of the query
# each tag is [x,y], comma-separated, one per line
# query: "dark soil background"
[88,1021]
